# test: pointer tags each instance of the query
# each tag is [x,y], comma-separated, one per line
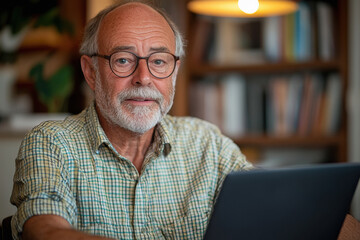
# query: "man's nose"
[142,75]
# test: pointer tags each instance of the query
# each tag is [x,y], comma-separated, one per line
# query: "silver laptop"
[284,204]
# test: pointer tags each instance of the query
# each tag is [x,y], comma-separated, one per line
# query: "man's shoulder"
[71,124]
[191,125]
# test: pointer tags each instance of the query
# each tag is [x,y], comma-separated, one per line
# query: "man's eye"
[158,62]
[122,61]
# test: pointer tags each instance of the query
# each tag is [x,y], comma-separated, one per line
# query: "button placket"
[140,225]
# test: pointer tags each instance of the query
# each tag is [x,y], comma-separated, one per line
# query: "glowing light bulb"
[248,6]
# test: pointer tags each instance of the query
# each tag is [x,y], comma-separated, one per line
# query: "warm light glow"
[248,6]
[230,8]
[93,7]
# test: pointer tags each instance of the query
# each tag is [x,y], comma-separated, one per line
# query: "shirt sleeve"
[41,181]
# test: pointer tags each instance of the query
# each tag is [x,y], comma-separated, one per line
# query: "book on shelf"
[212,106]
[318,98]
[304,33]
[284,100]
[225,41]
[255,105]
[205,100]
[326,31]
[272,38]
[305,108]
[333,103]
[289,37]
[234,105]
[294,100]
[279,88]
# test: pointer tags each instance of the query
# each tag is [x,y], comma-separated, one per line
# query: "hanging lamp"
[242,8]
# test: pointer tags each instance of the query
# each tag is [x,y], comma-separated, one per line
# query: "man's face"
[137,102]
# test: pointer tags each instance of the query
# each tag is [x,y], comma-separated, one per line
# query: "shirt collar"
[96,132]
[98,136]
[164,133]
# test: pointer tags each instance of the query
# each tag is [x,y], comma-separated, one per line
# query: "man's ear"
[88,71]
[177,66]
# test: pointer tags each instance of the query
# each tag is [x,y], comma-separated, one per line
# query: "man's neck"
[128,144]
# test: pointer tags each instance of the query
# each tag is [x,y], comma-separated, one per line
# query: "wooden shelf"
[283,67]
[289,141]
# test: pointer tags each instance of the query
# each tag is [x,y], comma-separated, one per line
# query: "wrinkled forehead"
[138,21]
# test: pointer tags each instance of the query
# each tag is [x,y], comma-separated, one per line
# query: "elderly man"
[122,168]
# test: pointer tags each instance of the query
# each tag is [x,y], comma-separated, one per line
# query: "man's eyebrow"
[132,48]
[123,48]
[159,49]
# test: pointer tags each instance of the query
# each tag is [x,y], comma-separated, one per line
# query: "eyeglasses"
[123,63]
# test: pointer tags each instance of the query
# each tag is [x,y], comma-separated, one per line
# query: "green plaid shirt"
[69,168]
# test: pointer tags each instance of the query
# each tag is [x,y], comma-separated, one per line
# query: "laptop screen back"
[293,203]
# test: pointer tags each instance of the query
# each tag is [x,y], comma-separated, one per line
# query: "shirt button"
[97,151]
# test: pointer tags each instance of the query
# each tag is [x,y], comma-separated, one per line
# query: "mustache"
[141,92]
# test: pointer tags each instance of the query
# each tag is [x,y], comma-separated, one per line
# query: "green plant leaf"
[53,18]
[48,18]
[53,91]
[61,83]
[41,86]
[36,72]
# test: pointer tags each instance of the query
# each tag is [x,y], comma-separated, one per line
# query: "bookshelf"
[317,59]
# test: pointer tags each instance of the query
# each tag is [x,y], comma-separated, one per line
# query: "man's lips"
[141,101]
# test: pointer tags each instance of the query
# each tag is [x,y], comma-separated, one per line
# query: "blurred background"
[285,88]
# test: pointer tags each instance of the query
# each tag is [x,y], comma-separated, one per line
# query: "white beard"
[138,119]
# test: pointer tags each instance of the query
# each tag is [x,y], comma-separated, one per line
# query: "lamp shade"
[230,8]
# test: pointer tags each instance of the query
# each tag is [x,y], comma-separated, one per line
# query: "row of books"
[304,35]
[297,104]
[307,34]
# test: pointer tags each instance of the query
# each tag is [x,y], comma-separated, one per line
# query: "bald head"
[135,27]
[122,13]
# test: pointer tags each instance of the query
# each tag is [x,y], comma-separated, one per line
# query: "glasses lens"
[123,63]
[161,64]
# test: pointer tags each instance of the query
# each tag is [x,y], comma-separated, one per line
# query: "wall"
[354,93]
[8,150]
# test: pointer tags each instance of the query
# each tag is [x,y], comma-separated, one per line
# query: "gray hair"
[89,44]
